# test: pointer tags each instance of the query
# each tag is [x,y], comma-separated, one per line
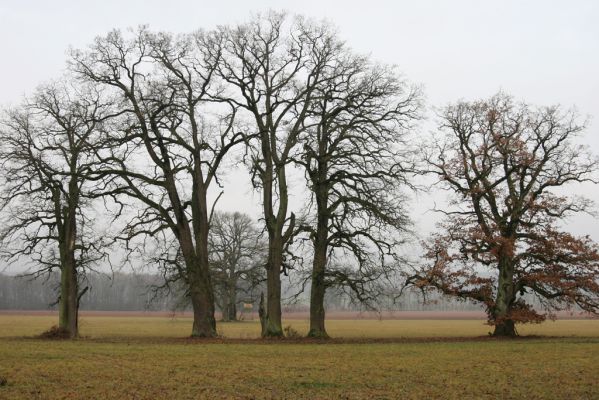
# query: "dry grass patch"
[180,327]
[536,368]
[148,358]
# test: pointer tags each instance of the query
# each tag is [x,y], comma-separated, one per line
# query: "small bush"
[291,333]
[55,333]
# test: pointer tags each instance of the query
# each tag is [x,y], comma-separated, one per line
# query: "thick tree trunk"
[67,314]
[317,313]
[318,287]
[196,255]
[204,323]
[202,296]
[69,291]
[272,321]
[505,328]
[504,325]
[272,326]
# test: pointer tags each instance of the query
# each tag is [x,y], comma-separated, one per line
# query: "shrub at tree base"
[55,333]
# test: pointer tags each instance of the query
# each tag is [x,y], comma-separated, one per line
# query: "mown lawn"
[134,358]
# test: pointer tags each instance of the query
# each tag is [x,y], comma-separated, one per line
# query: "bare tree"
[237,258]
[356,164]
[46,149]
[275,65]
[509,166]
[172,143]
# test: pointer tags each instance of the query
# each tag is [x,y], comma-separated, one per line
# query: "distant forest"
[119,291]
[134,292]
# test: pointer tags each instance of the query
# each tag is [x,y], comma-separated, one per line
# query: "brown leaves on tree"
[501,243]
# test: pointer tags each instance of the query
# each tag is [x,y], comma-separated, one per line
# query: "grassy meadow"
[152,358]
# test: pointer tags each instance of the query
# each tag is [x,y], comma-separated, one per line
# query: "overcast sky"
[544,52]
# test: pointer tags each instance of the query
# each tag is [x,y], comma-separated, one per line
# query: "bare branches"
[47,155]
[169,144]
[274,66]
[357,161]
[46,161]
[237,258]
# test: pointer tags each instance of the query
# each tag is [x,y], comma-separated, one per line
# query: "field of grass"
[149,358]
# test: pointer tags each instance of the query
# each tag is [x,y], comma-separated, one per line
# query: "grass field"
[150,358]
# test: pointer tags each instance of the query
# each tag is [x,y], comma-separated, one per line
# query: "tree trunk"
[272,321]
[200,285]
[69,291]
[204,323]
[67,314]
[318,285]
[318,288]
[504,325]
[262,313]
[225,305]
[229,299]
[232,301]
[505,328]
[317,313]
[202,298]
[232,312]
[272,326]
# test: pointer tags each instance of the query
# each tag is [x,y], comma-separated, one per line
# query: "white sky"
[544,52]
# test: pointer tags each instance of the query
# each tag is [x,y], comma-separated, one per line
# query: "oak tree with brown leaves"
[502,242]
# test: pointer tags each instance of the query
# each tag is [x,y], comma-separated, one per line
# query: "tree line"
[121,291]
[114,292]
[145,124]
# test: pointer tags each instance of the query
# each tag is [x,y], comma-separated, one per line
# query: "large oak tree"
[357,164]
[170,144]
[47,148]
[274,65]
[511,168]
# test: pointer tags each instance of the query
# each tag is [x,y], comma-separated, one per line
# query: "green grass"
[124,357]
